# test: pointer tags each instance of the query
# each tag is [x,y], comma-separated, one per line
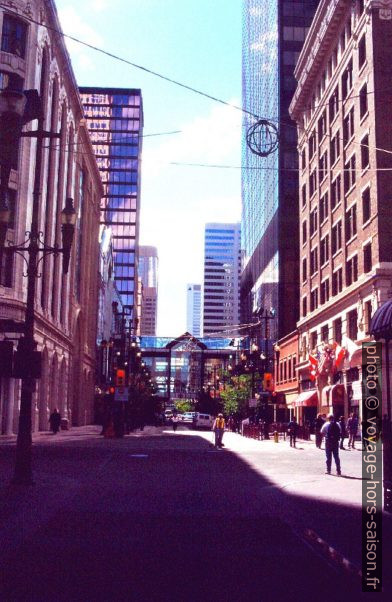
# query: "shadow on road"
[161,518]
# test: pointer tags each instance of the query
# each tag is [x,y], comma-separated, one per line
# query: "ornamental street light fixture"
[17,108]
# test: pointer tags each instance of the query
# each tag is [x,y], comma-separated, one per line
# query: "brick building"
[343,112]
[65,305]
[286,377]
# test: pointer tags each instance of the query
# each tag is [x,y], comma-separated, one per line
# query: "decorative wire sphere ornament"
[262,138]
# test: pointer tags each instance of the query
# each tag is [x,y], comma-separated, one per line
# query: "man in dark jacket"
[55,421]
[318,425]
[331,432]
[292,429]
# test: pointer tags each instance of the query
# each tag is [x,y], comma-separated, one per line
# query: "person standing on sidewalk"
[352,427]
[343,431]
[175,421]
[55,421]
[332,434]
[292,429]
[318,425]
[219,428]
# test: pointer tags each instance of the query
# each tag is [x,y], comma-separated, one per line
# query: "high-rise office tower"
[193,309]
[148,272]
[222,269]
[273,35]
[115,122]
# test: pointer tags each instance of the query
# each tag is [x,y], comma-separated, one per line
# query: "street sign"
[11,326]
[121,394]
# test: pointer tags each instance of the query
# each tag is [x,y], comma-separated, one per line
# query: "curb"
[336,557]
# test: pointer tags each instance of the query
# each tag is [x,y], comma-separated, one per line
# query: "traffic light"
[120,377]
[268,383]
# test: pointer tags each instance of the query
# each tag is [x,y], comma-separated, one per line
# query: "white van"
[203,420]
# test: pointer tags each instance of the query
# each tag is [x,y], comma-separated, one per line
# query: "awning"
[332,395]
[307,399]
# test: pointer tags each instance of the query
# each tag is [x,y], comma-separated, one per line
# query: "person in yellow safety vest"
[219,428]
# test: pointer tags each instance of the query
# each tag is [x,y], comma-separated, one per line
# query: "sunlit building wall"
[148,273]
[193,309]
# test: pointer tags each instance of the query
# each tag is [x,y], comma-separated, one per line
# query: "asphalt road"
[163,516]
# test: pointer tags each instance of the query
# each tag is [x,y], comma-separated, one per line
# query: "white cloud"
[73,24]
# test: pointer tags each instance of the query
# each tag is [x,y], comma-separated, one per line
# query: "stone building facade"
[66,305]
[344,116]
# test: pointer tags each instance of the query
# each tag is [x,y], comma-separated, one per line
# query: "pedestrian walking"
[219,428]
[331,432]
[318,425]
[352,428]
[343,431]
[55,421]
[292,429]
[175,421]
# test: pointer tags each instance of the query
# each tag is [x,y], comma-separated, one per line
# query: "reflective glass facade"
[273,35]
[115,122]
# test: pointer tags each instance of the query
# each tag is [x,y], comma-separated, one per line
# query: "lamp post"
[16,109]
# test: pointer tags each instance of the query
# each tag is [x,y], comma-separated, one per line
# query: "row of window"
[337,280]
[286,369]
[320,214]
[332,64]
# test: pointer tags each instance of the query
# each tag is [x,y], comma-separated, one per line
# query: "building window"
[352,324]
[304,306]
[303,159]
[6,267]
[324,250]
[294,366]
[312,145]
[314,299]
[323,207]
[351,222]
[313,261]
[366,206]
[365,152]
[313,222]
[336,238]
[325,333]
[312,183]
[347,80]
[336,192]
[14,34]
[368,316]
[348,126]
[304,232]
[313,340]
[322,126]
[349,174]
[323,166]
[324,292]
[362,51]
[367,258]
[337,330]
[337,282]
[335,147]
[363,101]
[304,269]
[304,195]
[352,270]
[334,104]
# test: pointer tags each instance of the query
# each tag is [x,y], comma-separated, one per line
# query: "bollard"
[276,436]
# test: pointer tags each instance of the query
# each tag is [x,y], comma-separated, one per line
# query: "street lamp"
[17,108]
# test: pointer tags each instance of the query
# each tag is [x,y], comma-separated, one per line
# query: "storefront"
[332,400]
[306,406]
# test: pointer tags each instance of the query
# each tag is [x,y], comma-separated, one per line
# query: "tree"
[184,405]
[236,396]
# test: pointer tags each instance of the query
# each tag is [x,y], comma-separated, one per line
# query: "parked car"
[203,420]
[188,417]
[168,416]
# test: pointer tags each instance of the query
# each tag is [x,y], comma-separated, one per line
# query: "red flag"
[313,361]
[340,354]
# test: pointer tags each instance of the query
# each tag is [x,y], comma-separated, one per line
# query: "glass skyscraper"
[273,35]
[222,268]
[115,122]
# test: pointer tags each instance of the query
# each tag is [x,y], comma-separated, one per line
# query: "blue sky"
[199,44]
